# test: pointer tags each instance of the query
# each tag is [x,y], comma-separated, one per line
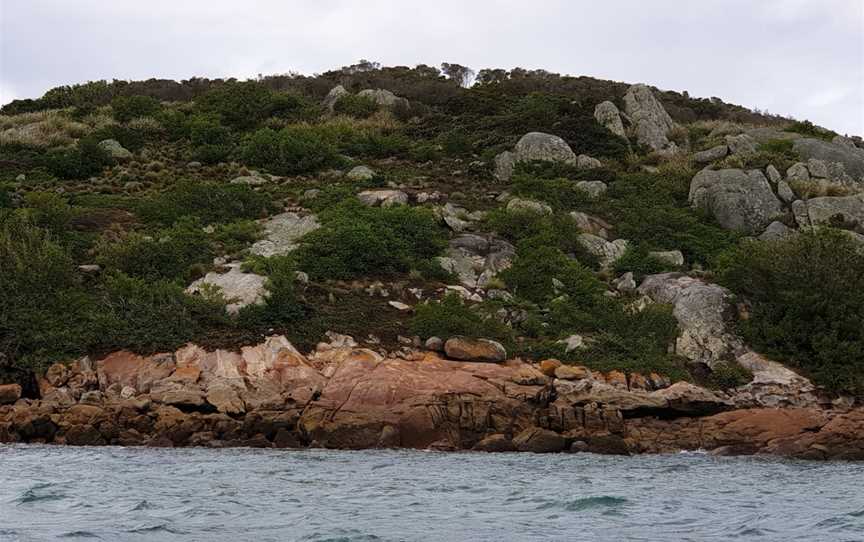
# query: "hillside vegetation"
[396,205]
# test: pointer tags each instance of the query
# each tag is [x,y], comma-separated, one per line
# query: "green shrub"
[282,305]
[527,228]
[174,122]
[236,236]
[209,202]
[652,210]
[561,194]
[727,376]
[211,142]
[48,210]
[808,303]
[807,128]
[451,316]
[636,260]
[84,160]
[375,145]
[150,316]
[544,169]
[356,240]
[165,254]
[292,150]
[44,310]
[617,337]
[126,108]
[239,105]
[359,107]
[537,269]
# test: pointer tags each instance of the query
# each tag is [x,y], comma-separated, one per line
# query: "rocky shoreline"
[342,396]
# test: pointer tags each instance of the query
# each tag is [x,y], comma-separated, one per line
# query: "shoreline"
[345,397]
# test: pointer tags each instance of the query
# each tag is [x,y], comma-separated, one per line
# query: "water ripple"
[134,494]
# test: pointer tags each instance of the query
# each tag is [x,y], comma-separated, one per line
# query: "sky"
[799,58]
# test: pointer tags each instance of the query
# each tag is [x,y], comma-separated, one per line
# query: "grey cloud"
[791,57]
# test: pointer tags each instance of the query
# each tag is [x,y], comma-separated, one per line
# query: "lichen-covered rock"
[583,161]
[785,192]
[671,257]
[741,144]
[594,189]
[739,200]
[773,385]
[333,96]
[475,259]
[772,174]
[710,155]
[702,310]
[467,349]
[240,289]
[547,147]
[383,198]
[607,252]
[651,121]
[281,233]
[608,115]
[852,158]
[360,173]
[591,224]
[776,231]
[383,97]
[830,210]
[505,162]
[529,206]
[115,150]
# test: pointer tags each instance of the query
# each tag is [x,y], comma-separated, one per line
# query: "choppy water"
[120,494]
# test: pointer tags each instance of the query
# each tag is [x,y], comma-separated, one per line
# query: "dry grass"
[51,128]
[818,188]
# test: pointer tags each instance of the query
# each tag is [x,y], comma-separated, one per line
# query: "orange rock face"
[347,397]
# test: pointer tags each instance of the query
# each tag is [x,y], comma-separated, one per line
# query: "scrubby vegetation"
[808,303]
[168,214]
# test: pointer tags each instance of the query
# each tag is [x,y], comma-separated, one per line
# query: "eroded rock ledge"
[340,396]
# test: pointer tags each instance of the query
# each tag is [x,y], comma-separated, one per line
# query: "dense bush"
[355,240]
[292,150]
[561,194]
[540,273]
[209,202]
[84,160]
[211,142]
[48,210]
[807,294]
[652,210]
[245,105]
[359,107]
[164,254]
[150,316]
[451,316]
[126,108]
[638,261]
[44,310]
[616,337]
[282,304]
[528,228]
[239,105]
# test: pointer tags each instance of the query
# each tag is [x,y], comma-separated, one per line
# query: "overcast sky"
[803,58]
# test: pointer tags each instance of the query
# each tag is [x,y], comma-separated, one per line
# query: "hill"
[605,225]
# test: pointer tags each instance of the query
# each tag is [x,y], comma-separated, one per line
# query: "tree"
[462,75]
